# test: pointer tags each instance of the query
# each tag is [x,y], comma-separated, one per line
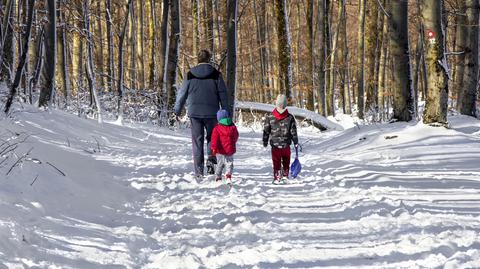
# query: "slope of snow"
[400,195]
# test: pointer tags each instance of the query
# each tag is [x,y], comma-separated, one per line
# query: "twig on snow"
[60,171]
[19,160]
[31,184]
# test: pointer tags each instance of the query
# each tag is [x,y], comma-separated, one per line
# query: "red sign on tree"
[430,34]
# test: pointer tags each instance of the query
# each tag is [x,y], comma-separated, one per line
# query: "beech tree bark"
[172,60]
[436,104]
[22,62]
[231,54]
[50,55]
[120,93]
[468,93]
[361,60]
[402,84]
[284,50]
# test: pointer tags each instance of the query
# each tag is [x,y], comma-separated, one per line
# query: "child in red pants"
[280,128]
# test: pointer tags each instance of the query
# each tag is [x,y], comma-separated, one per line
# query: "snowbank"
[300,114]
[401,195]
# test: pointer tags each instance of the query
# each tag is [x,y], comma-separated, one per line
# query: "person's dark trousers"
[281,162]
[199,126]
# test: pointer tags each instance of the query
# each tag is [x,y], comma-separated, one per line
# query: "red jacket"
[224,138]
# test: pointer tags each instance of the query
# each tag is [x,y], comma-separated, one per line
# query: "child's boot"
[228,178]
[277,176]
[285,175]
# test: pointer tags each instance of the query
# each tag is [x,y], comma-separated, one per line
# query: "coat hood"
[202,70]
[280,116]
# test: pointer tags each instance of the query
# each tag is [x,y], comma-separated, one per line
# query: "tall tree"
[460,44]
[91,75]
[323,6]
[284,49]
[153,42]
[22,62]
[133,48]
[261,25]
[209,29]
[361,60]
[196,25]
[402,82]
[121,52]
[163,50]
[110,44]
[50,55]
[436,104]
[172,60]
[6,42]
[468,93]
[231,54]
[310,52]
[371,45]
[63,59]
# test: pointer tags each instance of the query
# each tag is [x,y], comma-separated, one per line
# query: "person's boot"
[228,178]
[211,162]
[285,176]
[277,175]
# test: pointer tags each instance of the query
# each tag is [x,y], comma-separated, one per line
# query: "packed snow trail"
[129,199]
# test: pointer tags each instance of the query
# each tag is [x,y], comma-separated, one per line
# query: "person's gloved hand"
[214,152]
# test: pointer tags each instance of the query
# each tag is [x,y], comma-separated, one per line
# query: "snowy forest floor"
[400,195]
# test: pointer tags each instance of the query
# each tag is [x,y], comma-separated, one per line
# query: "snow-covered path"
[362,200]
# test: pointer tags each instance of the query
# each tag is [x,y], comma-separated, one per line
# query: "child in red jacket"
[224,138]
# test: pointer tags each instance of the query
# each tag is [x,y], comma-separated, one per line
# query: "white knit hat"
[281,103]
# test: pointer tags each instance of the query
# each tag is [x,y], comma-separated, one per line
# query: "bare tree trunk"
[50,55]
[163,49]
[371,39]
[261,24]
[310,105]
[153,40]
[346,69]
[133,52]
[120,93]
[468,93]
[173,47]
[231,54]
[22,62]
[333,70]
[284,50]
[142,43]
[361,60]
[196,26]
[7,45]
[209,36]
[111,59]
[100,48]
[324,52]
[32,83]
[91,76]
[402,84]
[460,44]
[64,57]
[437,81]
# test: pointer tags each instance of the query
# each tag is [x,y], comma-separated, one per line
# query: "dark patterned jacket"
[280,129]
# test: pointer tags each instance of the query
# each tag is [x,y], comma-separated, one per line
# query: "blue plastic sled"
[296,167]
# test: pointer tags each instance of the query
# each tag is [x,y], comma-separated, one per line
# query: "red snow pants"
[281,162]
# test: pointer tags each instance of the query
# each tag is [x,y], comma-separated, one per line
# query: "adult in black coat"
[204,91]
